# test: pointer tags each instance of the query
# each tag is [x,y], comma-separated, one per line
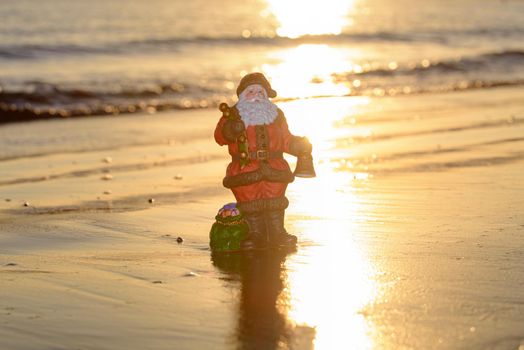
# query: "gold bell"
[305,166]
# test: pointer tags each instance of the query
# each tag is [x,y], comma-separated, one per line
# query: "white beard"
[262,112]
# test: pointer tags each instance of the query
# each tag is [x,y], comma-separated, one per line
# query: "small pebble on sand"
[178,177]
[191,274]
[107,160]
[157,282]
[151,200]
[8,199]
[26,204]
[179,240]
[107,192]
[11,264]
[107,177]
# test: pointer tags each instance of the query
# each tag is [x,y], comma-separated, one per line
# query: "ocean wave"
[36,91]
[278,40]
[35,51]
[10,113]
[34,100]
[56,102]
[504,60]
[40,100]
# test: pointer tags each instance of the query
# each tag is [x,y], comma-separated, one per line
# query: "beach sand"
[411,236]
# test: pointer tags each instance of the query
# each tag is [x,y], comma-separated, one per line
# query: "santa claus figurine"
[256,133]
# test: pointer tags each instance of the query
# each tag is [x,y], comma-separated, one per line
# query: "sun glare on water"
[310,17]
[331,280]
[305,71]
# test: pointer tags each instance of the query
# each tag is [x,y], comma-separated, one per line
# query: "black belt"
[261,154]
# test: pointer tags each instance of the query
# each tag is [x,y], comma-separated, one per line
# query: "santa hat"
[256,78]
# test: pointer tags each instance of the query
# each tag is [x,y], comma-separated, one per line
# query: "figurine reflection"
[262,314]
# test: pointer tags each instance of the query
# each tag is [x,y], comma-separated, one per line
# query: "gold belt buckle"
[262,154]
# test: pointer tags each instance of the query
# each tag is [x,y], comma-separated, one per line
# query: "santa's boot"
[278,235]
[257,236]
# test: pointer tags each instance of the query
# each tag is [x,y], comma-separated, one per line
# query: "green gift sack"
[229,229]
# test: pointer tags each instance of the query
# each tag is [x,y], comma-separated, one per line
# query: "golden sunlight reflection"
[305,71]
[320,121]
[310,17]
[331,280]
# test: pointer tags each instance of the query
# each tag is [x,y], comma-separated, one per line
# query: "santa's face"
[254,106]
[255,93]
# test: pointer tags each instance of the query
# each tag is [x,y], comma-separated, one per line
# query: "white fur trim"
[257,112]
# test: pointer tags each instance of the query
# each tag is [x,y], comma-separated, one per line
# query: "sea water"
[62,58]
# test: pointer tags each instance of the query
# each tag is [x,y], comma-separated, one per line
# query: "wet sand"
[411,236]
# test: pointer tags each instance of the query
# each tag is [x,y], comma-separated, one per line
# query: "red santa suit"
[257,136]
[262,183]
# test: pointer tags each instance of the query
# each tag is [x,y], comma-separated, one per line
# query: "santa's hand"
[306,146]
[300,145]
[238,127]
[233,129]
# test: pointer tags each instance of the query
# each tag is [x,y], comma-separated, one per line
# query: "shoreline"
[9,115]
